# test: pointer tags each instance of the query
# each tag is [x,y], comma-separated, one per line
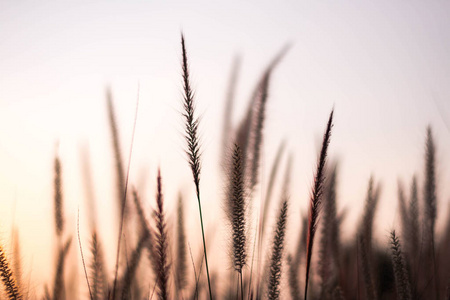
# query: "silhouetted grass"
[358,269]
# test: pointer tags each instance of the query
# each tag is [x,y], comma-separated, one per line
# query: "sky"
[384,66]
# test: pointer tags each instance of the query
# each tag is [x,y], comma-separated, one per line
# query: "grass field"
[270,251]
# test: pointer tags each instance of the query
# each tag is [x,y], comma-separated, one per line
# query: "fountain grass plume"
[181,262]
[430,208]
[9,282]
[258,128]
[414,219]
[401,275]
[58,198]
[273,291]
[369,214]
[315,203]
[294,287]
[97,269]
[249,133]
[160,261]
[16,259]
[193,145]
[236,210]
[430,186]
[270,186]
[228,111]
[58,286]
[329,239]
[404,213]
[366,266]
[364,239]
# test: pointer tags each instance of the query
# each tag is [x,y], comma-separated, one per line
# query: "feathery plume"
[430,187]
[364,238]
[98,270]
[366,267]
[294,288]
[16,262]
[228,112]
[11,288]
[270,186]
[258,128]
[404,213]
[329,239]
[430,209]
[58,198]
[316,196]
[400,272]
[58,286]
[369,213]
[236,211]
[414,219]
[249,133]
[160,263]
[181,266]
[193,146]
[273,291]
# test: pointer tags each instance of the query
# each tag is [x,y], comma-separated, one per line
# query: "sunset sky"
[384,66]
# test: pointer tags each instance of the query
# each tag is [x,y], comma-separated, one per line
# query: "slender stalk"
[315,202]
[82,255]
[124,202]
[193,147]
[242,286]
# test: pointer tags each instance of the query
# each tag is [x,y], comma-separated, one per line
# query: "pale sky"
[384,66]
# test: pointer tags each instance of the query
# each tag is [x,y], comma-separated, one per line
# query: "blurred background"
[384,67]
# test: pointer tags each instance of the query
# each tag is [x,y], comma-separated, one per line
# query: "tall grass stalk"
[329,239]
[193,146]
[430,207]
[123,203]
[315,203]
[236,213]
[364,239]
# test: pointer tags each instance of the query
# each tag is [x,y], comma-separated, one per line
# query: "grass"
[154,257]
